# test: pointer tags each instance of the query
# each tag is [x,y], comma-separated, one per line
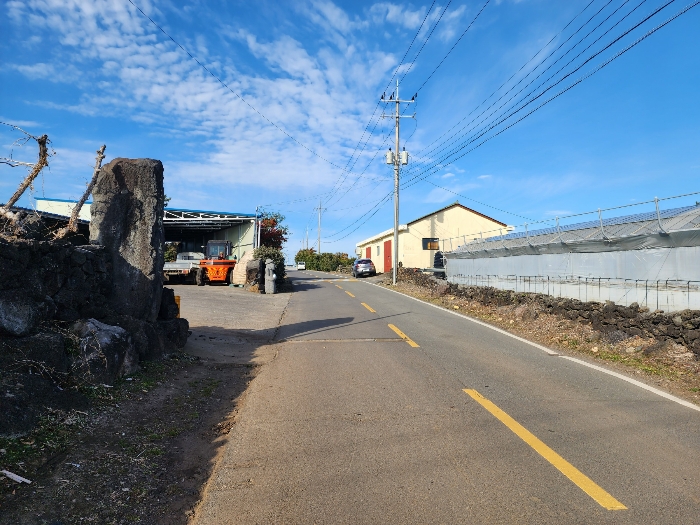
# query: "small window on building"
[431,243]
[377,250]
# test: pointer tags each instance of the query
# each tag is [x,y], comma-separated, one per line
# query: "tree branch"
[73,222]
[36,169]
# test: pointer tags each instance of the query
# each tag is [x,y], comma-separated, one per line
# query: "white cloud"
[128,69]
[484,177]
[396,14]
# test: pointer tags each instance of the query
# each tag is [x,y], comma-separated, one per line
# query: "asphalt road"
[442,420]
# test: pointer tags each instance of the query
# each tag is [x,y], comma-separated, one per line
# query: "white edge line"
[656,391]
[634,382]
[543,348]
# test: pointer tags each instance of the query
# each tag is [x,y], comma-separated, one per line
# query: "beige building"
[421,238]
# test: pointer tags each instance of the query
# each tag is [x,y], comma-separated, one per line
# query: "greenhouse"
[648,258]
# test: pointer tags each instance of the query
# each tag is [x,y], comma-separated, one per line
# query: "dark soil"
[140,453]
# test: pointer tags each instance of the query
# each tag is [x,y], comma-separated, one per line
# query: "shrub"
[324,262]
[266,252]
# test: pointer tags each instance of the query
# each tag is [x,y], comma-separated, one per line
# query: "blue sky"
[99,72]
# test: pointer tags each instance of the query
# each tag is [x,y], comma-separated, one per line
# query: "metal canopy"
[203,220]
[685,218]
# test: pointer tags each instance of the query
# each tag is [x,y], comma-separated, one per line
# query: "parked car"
[301,265]
[363,267]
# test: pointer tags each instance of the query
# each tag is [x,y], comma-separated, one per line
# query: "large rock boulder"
[21,314]
[105,352]
[241,268]
[127,219]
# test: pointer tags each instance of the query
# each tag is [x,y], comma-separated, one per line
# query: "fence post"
[658,215]
[600,218]
[527,236]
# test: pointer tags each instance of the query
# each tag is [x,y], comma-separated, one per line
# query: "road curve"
[382,409]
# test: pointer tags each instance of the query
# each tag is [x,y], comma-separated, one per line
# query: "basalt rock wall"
[680,327]
[43,280]
[75,315]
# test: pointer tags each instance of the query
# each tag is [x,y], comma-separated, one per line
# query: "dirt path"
[145,448]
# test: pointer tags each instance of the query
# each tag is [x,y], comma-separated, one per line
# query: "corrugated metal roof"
[687,217]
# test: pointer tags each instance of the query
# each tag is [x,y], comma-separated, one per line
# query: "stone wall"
[43,280]
[680,327]
[72,316]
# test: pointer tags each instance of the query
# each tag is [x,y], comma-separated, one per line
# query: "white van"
[301,265]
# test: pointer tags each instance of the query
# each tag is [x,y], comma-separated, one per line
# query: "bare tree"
[36,168]
[73,222]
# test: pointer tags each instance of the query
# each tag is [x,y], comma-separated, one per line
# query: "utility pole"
[256,230]
[397,160]
[307,236]
[320,210]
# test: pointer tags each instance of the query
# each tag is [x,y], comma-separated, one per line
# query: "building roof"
[454,204]
[59,200]
[674,219]
[179,218]
[403,227]
[203,220]
[45,214]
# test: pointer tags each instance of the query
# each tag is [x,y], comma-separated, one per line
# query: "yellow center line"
[369,308]
[404,336]
[351,295]
[576,476]
[339,286]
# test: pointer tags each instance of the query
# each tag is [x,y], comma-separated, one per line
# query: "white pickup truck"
[184,268]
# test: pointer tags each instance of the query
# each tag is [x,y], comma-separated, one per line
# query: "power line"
[413,62]
[388,197]
[512,76]
[443,146]
[344,177]
[453,46]
[442,13]
[589,74]
[489,126]
[478,202]
[389,84]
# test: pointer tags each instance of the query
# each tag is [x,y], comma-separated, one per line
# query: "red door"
[387,256]
[368,253]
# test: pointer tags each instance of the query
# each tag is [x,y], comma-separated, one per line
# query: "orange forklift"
[218,264]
